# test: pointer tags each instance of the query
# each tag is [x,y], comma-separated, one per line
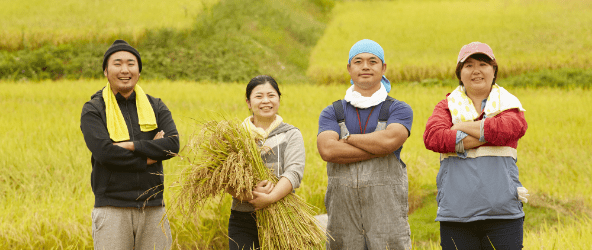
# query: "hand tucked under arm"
[334,150]
[158,135]
[471,128]
[381,142]
[129,145]
[163,148]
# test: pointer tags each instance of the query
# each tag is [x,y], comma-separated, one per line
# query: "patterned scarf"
[462,108]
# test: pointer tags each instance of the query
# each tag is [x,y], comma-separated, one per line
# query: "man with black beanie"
[129,134]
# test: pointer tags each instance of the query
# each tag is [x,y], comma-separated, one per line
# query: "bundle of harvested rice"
[224,156]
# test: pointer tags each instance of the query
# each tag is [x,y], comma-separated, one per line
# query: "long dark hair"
[259,80]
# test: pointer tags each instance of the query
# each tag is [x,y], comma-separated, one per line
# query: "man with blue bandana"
[360,138]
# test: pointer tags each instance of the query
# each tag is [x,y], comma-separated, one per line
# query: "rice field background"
[45,194]
[421,39]
[46,199]
[32,23]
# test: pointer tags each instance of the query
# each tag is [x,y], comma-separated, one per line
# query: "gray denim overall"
[367,201]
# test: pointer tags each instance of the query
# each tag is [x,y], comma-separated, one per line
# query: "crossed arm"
[473,129]
[129,145]
[360,147]
[131,155]
[502,129]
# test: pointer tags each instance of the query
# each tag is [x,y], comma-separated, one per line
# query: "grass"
[33,23]
[45,182]
[230,41]
[421,39]
[570,235]
[45,194]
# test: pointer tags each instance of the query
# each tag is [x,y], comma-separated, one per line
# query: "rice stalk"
[223,156]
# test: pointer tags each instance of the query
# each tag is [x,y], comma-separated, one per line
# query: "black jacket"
[122,178]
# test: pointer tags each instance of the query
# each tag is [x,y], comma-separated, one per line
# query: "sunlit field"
[31,23]
[45,193]
[46,198]
[422,39]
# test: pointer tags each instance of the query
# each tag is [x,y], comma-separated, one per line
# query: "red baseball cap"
[474,48]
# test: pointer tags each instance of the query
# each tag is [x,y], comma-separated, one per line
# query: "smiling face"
[122,72]
[264,101]
[477,75]
[366,70]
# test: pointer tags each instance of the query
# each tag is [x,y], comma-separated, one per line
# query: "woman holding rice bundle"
[476,131]
[284,154]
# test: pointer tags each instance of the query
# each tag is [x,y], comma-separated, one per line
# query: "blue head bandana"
[372,47]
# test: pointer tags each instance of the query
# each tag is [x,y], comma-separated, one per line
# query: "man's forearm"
[114,157]
[374,143]
[130,146]
[126,144]
[343,153]
[160,149]
[380,142]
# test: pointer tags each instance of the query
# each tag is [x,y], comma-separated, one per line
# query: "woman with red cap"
[476,131]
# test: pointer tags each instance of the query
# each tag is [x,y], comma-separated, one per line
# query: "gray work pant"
[130,228]
[367,204]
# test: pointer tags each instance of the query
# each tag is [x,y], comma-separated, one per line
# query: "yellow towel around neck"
[260,133]
[462,109]
[116,123]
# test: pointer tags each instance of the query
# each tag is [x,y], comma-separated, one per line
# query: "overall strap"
[382,116]
[338,106]
[384,110]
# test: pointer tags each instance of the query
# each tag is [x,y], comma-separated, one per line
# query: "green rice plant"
[421,39]
[230,41]
[224,156]
[570,235]
[46,197]
[33,23]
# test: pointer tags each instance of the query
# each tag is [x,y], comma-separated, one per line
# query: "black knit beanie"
[121,45]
